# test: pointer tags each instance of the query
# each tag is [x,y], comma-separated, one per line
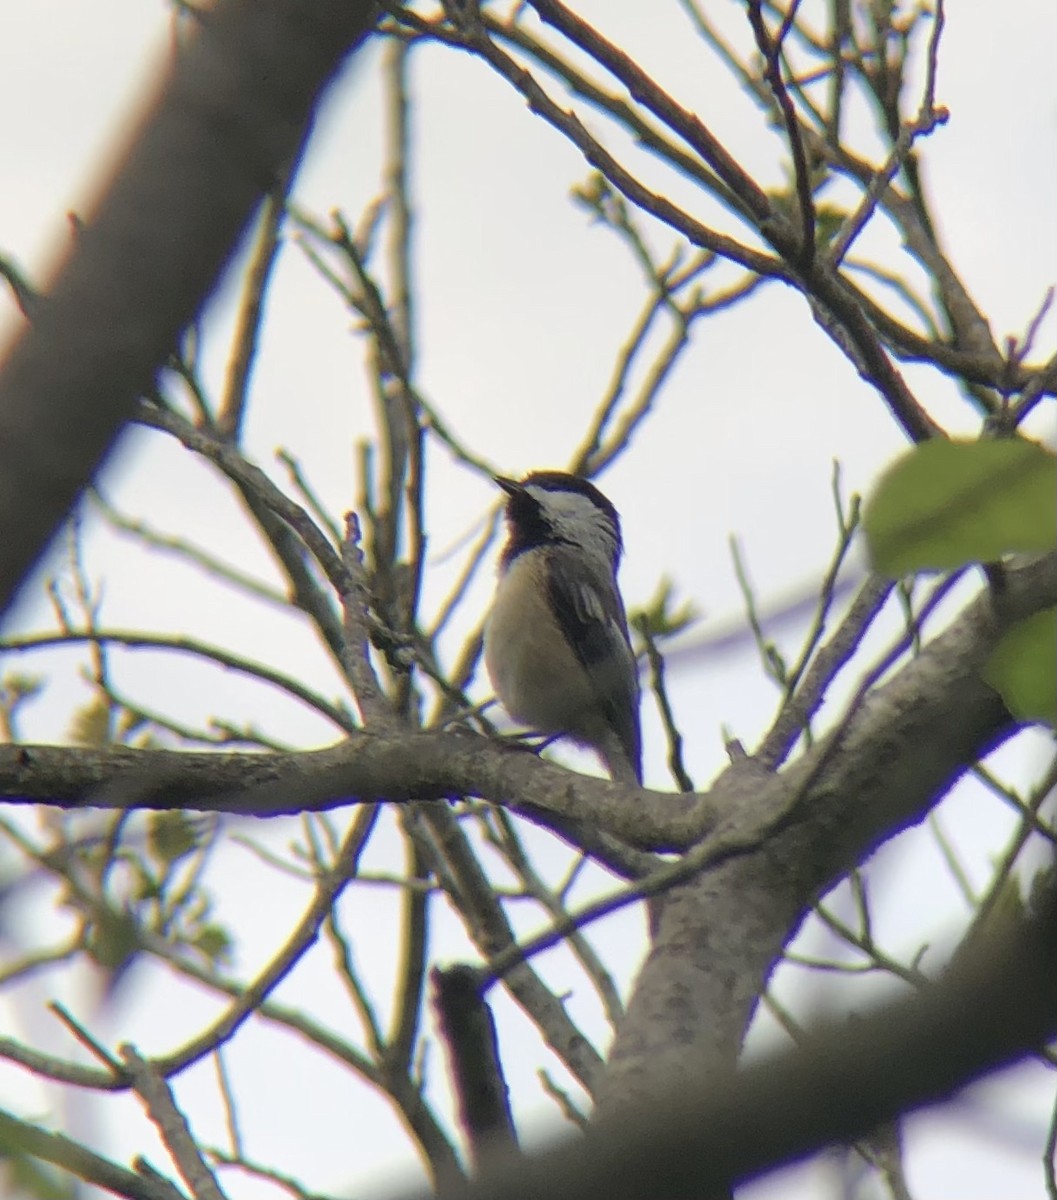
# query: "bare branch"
[18,1137]
[229,117]
[468,1030]
[135,640]
[375,707]
[771,49]
[172,1126]
[709,1132]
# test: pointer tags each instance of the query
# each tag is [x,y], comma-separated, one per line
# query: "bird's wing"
[592,617]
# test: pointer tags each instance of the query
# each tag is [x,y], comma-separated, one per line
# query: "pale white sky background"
[524,305]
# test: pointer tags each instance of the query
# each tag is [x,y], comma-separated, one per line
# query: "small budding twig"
[355,604]
[172,1125]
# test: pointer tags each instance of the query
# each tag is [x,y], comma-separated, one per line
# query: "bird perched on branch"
[556,645]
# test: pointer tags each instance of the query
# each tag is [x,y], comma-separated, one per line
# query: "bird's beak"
[510,486]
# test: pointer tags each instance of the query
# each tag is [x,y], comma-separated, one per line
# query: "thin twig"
[374,705]
[189,552]
[799,706]
[227,1093]
[564,1101]
[135,640]
[172,1125]
[308,494]
[328,888]
[463,878]
[771,49]
[856,221]
[71,1156]
[232,407]
[660,691]
[414,949]
[954,865]
[37,960]
[646,91]
[90,1043]
[1041,384]
[1049,1155]
[1003,868]
[252,479]
[502,833]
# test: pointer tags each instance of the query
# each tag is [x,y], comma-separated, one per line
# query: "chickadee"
[556,644]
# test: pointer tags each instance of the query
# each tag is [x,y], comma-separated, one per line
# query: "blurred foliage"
[660,617]
[173,835]
[1023,668]
[28,1178]
[945,504]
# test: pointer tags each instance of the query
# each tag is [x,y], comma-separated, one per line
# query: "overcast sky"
[525,305]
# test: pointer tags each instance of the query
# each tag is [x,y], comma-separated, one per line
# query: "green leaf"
[214,942]
[945,504]
[143,884]
[21,687]
[129,722]
[660,616]
[31,1179]
[1023,668]
[1042,884]
[828,222]
[113,940]
[90,724]
[172,835]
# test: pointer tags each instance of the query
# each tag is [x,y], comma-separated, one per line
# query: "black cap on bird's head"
[555,507]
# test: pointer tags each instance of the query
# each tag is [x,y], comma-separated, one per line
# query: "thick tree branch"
[397,767]
[468,1031]
[932,714]
[704,1133]
[488,926]
[227,120]
[880,772]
